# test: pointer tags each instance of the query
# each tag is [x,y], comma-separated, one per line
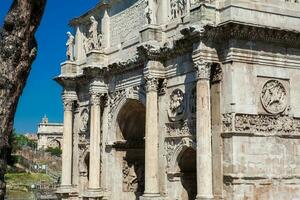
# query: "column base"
[94,193]
[204,198]
[152,197]
[66,192]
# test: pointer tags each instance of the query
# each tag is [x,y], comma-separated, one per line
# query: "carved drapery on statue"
[70,47]
[93,40]
[148,13]
[178,8]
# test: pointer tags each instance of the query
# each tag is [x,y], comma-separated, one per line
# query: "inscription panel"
[125,25]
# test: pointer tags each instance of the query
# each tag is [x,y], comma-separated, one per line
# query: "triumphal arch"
[182,100]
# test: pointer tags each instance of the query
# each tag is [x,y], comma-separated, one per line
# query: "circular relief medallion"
[274,97]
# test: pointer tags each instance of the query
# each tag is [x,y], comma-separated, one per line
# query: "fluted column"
[151,141]
[95,129]
[203,128]
[67,143]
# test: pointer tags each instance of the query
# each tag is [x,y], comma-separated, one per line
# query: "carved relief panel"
[176,109]
[84,126]
[178,8]
[273,96]
[133,176]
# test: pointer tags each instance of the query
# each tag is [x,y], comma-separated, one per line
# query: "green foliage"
[21,141]
[54,151]
[26,178]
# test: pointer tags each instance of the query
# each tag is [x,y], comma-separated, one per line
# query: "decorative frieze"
[240,31]
[176,109]
[274,97]
[181,128]
[267,125]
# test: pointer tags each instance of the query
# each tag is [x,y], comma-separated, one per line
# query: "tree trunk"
[18,49]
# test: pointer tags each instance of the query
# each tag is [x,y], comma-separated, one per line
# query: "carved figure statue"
[178,8]
[70,47]
[94,39]
[148,12]
[176,109]
[84,121]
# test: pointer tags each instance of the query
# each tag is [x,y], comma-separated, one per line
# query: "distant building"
[49,134]
[31,136]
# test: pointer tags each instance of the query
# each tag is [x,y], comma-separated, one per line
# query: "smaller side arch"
[184,144]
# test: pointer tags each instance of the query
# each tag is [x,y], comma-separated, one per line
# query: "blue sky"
[42,95]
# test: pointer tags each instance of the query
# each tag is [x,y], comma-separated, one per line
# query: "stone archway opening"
[55,144]
[131,124]
[187,167]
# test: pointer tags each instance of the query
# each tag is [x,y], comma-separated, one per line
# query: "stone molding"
[260,125]
[233,30]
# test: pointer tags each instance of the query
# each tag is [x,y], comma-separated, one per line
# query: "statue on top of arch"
[94,38]
[178,8]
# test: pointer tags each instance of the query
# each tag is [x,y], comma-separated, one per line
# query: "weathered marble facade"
[181,100]
[49,134]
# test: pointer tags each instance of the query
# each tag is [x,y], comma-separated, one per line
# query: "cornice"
[234,30]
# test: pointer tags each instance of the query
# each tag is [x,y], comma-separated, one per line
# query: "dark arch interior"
[87,164]
[131,120]
[187,166]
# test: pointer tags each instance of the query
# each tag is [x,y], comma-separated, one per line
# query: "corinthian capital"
[95,98]
[68,104]
[151,84]
[203,69]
